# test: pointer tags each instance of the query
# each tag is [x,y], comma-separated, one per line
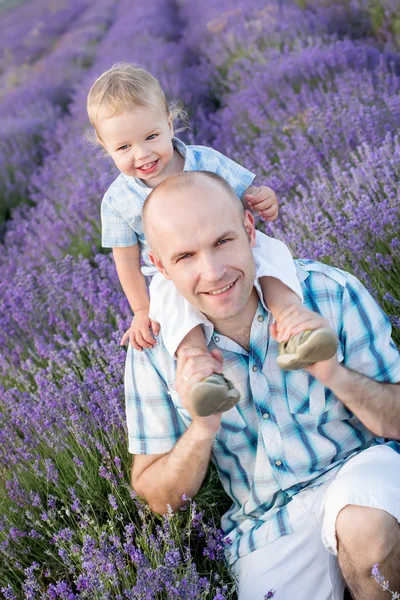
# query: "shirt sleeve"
[154,424]
[366,335]
[115,231]
[237,176]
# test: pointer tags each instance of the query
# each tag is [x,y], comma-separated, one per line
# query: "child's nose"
[142,151]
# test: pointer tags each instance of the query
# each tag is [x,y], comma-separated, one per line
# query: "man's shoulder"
[312,271]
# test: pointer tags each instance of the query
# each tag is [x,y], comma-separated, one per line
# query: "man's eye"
[182,257]
[124,147]
[223,241]
[151,137]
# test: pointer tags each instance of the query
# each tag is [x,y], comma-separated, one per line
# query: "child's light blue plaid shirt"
[288,431]
[121,208]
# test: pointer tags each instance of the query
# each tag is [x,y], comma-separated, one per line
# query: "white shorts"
[303,564]
[177,317]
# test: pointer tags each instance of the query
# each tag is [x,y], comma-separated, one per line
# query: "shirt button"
[216,338]
[278,462]
[260,318]
[255,368]
[265,416]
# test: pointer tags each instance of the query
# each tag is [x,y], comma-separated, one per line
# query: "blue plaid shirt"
[288,431]
[121,208]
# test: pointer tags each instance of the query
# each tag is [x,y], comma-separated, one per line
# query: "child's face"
[139,142]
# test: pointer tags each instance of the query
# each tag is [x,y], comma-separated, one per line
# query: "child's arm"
[127,262]
[263,200]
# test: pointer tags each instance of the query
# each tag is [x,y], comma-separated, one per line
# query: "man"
[316,495]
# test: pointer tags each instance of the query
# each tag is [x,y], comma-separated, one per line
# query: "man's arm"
[163,479]
[376,404]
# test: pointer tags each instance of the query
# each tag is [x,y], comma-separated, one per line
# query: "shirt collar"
[262,315]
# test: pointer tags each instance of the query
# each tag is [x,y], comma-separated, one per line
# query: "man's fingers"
[298,325]
[288,310]
[274,331]
[218,355]
[195,365]
[184,355]
[294,319]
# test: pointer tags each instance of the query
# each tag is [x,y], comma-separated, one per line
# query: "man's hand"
[139,333]
[263,200]
[296,318]
[194,365]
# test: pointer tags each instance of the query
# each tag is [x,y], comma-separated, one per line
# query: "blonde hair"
[126,86]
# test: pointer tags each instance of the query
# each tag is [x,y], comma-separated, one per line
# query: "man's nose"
[212,269]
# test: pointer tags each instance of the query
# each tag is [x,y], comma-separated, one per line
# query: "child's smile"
[139,141]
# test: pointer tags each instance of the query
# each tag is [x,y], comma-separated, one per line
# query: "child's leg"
[214,394]
[183,326]
[305,348]
[277,297]
[275,266]
[194,339]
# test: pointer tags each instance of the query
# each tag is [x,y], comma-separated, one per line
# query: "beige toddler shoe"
[307,348]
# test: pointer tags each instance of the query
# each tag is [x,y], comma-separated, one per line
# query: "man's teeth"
[148,166]
[222,290]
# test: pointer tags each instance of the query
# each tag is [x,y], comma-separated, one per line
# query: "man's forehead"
[190,213]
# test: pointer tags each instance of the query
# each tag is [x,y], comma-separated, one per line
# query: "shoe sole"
[209,398]
[321,345]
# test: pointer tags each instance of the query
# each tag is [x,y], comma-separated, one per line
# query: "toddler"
[134,124]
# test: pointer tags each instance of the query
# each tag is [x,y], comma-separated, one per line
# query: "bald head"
[175,201]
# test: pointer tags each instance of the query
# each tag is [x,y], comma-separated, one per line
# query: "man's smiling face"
[202,241]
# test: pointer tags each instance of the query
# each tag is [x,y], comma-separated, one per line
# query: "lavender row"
[65,372]
[39,94]
[63,438]
[30,30]
[306,117]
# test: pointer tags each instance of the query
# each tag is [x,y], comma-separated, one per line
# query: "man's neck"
[238,328]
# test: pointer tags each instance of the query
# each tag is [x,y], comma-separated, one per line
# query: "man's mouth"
[222,290]
[148,166]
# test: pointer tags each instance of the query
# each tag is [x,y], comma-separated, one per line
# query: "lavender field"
[304,93]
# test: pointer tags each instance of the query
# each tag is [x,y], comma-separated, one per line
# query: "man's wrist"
[341,382]
[203,430]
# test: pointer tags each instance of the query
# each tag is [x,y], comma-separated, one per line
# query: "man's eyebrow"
[177,254]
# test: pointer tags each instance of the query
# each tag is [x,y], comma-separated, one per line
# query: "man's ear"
[249,225]
[156,261]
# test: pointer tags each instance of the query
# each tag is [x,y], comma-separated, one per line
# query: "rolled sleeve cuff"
[160,446]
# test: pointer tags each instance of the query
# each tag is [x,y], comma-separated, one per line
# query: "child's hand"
[139,333]
[264,201]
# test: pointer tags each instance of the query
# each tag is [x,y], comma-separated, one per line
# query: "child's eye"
[124,147]
[152,136]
